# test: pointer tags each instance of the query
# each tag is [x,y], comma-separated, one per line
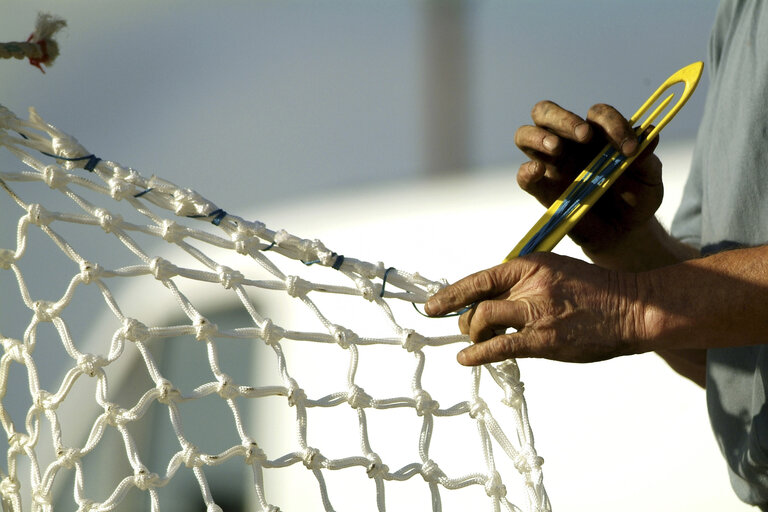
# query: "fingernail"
[582,132]
[461,357]
[430,306]
[550,142]
[628,147]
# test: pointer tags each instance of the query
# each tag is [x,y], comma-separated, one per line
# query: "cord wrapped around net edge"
[34,139]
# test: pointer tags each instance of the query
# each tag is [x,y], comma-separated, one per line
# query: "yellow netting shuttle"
[607,166]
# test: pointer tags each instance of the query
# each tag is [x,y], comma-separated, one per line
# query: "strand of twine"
[40,47]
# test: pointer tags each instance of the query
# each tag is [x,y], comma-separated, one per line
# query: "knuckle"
[504,347]
[485,282]
[541,109]
[527,174]
[520,137]
[600,110]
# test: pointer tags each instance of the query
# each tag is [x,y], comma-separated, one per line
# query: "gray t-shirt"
[725,205]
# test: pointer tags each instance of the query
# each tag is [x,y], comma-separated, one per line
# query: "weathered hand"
[562,308]
[560,144]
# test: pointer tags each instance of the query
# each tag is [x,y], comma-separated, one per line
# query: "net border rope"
[253,239]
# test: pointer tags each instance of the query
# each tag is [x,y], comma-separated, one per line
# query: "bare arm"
[569,310]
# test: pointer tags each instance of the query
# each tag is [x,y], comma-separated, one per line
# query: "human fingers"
[532,178]
[485,284]
[614,127]
[561,122]
[492,317]
[498,348]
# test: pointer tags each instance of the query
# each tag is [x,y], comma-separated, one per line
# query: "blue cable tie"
[90,165]
[218,215]
[337,264]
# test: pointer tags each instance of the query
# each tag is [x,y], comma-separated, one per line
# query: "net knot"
[41,497]
[89,272]
[245,245]
[191,457]
[358,398]
[9,487]
[107,220]
[227,389]
[344,337]
[68,457]
[162,269]
[312,458]
[431,472]
[54,177]
[296,286]
[133,330]
[119,189]
[513,395]
[296,395]
[15,349]
[87,506]
[188,203]
[45,311]
[68,149]
[38,215]
[367,290]
[43,400]
[527,460]
[478,408]
[509,370]
[204,329]
[145,480]
[19,442]
[7,258]
[167,392]
[228,277]
[171,231]
[114,414]
[376,468]
[91,364]
[424,403]
[412,341]
[493,486]
[513,388]
[252,452]
[432,287]
[271,333]
[246,236]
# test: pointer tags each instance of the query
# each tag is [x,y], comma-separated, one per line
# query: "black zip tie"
[143,192]
[92,162]
[218,216]
[269,247]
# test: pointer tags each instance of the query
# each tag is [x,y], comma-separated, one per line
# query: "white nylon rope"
[373,282]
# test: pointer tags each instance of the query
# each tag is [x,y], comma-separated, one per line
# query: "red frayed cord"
[38,62]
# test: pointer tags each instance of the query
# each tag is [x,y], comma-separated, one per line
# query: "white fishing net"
[191,339]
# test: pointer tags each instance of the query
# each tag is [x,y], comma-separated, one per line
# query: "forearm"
[717,301]
[646,248]
[649,248]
